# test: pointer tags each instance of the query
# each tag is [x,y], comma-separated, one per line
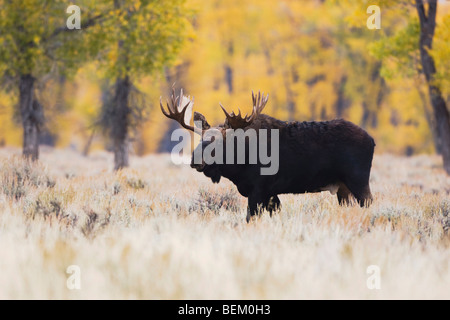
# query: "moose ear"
[198,117]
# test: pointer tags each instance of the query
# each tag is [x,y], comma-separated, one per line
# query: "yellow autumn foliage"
[312,57]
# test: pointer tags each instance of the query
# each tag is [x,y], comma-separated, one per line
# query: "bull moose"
[333,156]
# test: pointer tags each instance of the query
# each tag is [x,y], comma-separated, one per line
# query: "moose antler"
[236,121]
[176,111]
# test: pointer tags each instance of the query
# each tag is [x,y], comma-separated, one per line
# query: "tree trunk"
[229,69]
[120,121]
[290,99]
[88,144]
[342,102]
[31,115]
[121,148]
[441,113]
[429,116]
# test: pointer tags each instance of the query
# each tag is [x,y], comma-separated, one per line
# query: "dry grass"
[158,231]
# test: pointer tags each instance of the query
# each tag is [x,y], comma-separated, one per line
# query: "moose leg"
[361,191]
[255,204]
[366,198]
[343,195]
[272,204]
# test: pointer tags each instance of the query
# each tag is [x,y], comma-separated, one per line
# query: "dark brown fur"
[312,156]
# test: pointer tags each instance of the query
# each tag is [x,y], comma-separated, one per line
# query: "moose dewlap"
[333,156]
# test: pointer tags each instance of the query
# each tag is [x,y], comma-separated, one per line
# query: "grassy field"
[160,231]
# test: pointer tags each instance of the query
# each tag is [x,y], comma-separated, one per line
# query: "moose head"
[179,108]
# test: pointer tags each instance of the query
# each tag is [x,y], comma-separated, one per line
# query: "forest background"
[318,60]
